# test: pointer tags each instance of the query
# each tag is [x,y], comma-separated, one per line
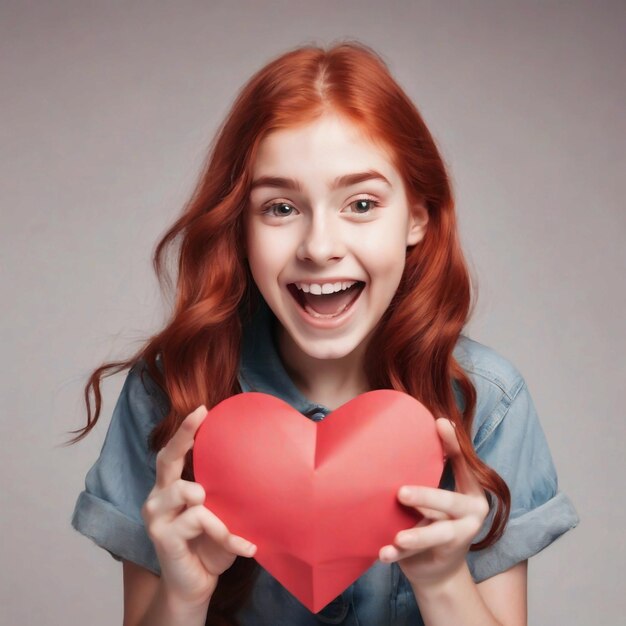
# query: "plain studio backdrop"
[107,112]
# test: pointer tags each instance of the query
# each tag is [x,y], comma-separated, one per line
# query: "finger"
[217,530]
[198,519]
[465,480]
[454,532]
[389,554]
[170,459]
[167,503]
[450,503]
[415,540]
[432,514]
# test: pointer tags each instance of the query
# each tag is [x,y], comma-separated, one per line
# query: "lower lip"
[328,322]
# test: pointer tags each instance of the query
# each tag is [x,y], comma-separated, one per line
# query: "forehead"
[330,145]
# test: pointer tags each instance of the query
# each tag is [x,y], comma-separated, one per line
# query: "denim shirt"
[506,435]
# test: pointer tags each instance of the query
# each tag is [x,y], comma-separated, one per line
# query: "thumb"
[465,480]
[446,430]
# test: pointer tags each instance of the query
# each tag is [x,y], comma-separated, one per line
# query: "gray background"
[107,112]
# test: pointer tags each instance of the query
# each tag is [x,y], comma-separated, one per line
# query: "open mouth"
[327,305]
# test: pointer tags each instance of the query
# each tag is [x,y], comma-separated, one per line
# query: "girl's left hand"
[435,548]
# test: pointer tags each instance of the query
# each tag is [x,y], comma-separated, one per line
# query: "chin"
[327,349]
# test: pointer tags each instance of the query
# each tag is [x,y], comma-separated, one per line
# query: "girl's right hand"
[192,544]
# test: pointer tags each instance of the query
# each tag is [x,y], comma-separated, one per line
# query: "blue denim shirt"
[506,434]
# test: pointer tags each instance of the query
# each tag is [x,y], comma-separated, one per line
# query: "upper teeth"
[317,289]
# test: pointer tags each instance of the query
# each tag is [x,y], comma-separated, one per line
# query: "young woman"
[319,259]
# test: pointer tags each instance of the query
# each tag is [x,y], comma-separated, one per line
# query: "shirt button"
[317,416]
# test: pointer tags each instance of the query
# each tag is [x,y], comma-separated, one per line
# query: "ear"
[418,220]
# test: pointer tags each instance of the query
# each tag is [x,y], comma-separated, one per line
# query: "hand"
[192,544]
[435,548]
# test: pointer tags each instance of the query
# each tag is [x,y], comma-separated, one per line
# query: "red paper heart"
[319,499]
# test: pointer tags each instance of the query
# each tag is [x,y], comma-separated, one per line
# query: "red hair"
[412,347]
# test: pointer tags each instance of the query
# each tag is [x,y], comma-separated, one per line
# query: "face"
[328,212]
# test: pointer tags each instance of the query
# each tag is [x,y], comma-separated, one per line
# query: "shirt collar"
[261,368]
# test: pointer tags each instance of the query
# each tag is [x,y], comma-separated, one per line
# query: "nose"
[322,241]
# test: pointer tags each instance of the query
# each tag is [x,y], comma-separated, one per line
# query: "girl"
[319,259]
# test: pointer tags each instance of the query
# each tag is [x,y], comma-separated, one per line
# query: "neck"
[330,382]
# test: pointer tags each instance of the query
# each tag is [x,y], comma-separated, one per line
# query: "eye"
[362,203]
[269,210]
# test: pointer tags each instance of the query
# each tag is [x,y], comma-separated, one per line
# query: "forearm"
[166,611]
[457,601]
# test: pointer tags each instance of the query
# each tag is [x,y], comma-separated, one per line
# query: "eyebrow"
[341,181]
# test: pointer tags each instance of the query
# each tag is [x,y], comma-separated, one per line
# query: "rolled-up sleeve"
[108,511]
[513,443]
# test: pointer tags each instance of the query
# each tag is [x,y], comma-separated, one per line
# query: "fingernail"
[405,492]
[401,538]
[248,546]
[388,554]
[201,410]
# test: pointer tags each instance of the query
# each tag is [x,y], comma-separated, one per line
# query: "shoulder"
[484,363]
[497,381]
[142,392]
[140,407]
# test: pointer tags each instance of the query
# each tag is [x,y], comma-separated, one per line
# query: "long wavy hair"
[411,350]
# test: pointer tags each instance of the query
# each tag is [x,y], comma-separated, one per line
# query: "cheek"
[265,257]
[386,258]
[257,257]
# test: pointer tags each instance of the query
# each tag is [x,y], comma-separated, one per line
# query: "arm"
[193,545]
[110,512]
[506,595]
[432,554]
[498,601]
[146,601]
